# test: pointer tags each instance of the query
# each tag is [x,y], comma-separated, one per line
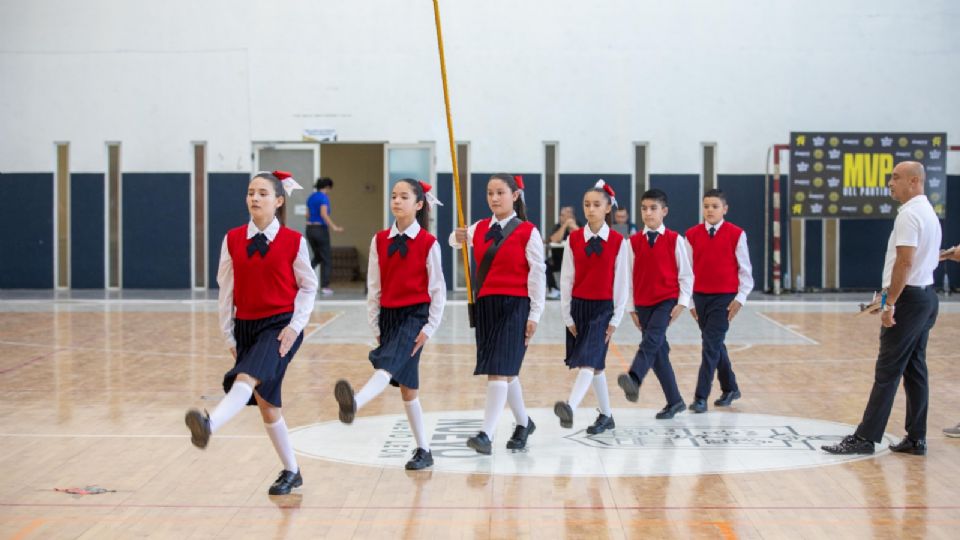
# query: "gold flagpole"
[453,151]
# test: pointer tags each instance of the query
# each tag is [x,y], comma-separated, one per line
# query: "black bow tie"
[258,243]
[652,237]
[399,244]
[594,246]
[713,231]
[494,233]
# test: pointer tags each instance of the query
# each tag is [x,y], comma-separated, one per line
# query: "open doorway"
[356,204]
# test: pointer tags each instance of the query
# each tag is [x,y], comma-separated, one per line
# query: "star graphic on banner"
[803,166]
[886,141]
[834,154]
[816,208]
[818,141]
[833,181]
[885,208]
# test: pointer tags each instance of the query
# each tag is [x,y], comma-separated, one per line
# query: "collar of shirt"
[717,225]
[270,232]
[659,229]
[917,199]
[603,233]
[503,222]
[412,231]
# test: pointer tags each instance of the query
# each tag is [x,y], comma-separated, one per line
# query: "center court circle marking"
[712,443]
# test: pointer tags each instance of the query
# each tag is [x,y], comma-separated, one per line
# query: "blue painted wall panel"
[745,198]
[156,230]
[87,222]
[27,258]
[813,254]
[863,244]
[226,209]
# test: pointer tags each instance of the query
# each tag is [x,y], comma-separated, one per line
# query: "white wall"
[594,76]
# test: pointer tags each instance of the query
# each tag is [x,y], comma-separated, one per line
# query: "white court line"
[321,326]
[116,436]
[787,328]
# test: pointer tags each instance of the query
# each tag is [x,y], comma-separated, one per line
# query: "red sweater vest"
[509,270]
[263,286]
[655,271]
[715,266]
[593,275]
[403,280]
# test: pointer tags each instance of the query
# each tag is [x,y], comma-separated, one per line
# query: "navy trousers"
[712,318]
[903,353]
[654,351]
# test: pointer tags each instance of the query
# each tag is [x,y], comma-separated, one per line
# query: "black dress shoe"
[602,423]
[631,389]
[699,405]
[199,424]
[670,411]
[564,413]
[285,482]
[910,446]
[519,439]
[727,398]
[481,443]
[851,444]
[421,460]
[348,405]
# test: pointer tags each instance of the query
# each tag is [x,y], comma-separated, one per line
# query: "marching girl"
[405,297]
[267,292]
[510,285]
[594,289]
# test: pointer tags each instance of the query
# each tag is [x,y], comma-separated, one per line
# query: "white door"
[415,161]
[300,159]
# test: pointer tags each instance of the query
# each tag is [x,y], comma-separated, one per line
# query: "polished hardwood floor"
[94,395]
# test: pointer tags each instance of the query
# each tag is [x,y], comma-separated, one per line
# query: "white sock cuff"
[498,383]
[412,403]
[276,424]
[383,374]
[242,386]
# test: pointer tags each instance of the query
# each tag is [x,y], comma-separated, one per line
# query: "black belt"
[918,288]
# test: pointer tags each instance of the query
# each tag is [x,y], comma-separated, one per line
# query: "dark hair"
[518,206]
[278,190]
[655,195]
[609,217]
[323,182]
[716,193]
[423,214]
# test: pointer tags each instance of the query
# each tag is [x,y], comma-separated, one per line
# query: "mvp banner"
[846,174]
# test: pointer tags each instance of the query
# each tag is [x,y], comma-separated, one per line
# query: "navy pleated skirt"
[501,326]
[258,355]
[589,348]
[399,328]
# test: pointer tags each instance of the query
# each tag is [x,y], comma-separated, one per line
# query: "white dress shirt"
[916,225]
[621,277]
[684,268]
[436,286]
[536,279]
[744,268]
[302,270]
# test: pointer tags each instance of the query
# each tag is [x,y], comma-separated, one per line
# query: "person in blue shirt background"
[318,230]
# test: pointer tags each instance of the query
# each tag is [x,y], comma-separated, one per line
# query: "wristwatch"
[886,307]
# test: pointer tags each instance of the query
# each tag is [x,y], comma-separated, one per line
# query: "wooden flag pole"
[453,152]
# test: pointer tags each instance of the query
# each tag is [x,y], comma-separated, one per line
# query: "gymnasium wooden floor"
[95,390]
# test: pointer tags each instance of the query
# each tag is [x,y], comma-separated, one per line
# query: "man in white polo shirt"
[908,313]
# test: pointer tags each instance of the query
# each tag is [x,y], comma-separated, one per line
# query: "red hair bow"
[282,175]
[609,190]
[519,180]
[425,186]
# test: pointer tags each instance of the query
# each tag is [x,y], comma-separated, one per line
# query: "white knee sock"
[496,399]
[378,381]
[603,395]
[515,398]
[280,438]
[234,402]
[580,387]
[415,417]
